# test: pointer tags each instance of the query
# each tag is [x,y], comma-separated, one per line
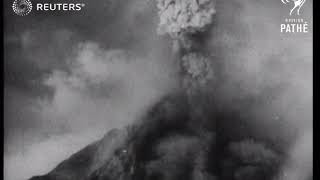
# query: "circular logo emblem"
[22,7]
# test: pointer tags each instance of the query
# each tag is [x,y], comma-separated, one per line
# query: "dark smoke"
[244,92]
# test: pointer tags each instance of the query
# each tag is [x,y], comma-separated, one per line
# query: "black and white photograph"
[158,89]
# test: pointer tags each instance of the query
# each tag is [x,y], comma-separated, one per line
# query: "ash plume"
[226,113]
[186,22]
[184,16]
[182,20]
[187,156]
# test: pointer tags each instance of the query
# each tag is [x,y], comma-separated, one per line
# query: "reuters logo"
[22,7]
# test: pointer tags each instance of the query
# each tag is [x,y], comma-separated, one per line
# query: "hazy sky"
[71,76]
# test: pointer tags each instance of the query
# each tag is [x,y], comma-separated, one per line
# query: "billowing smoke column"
[183,17]
[183,20]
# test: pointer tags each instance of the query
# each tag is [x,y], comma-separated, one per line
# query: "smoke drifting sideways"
[267,79]
[102,90]
[262,85]
[108,78]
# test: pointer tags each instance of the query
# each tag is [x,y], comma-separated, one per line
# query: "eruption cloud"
[222,103]
[185,21]
[181,20]
[184,16]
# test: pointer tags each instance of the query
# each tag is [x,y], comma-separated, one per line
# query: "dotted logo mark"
[22,7]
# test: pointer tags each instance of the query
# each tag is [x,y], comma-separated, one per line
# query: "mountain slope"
[165,144]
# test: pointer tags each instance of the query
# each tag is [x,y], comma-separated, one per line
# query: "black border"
[315,92]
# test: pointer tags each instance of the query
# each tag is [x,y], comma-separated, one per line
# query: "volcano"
[166,145]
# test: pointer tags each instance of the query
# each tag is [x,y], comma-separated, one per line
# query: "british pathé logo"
[296,5]
[294,26]
[294,23]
